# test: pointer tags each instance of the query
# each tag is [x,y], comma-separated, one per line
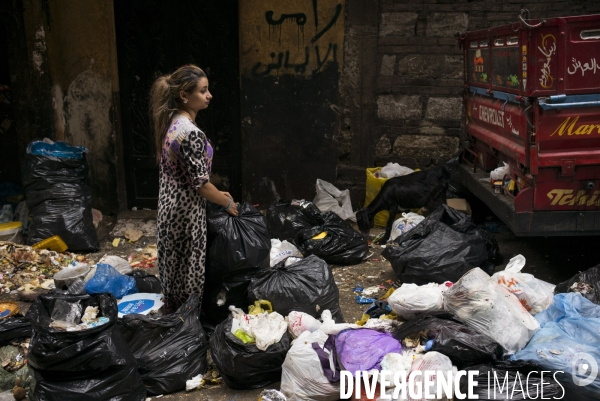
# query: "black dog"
[419,189]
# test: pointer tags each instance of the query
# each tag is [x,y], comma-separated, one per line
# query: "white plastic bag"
[299,322]
[302,376]
[404,224]
[394,170]
[329,198]
[432,362]
[329,326]
[500,172]
[266,328]
[281,250]
[120,264]
[535,294]
[411,300]
[479,302]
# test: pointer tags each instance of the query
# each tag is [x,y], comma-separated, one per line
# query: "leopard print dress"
[185,166]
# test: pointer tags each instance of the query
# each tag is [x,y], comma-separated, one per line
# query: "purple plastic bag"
[363,349]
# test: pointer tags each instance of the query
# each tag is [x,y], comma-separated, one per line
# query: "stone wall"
[413,87]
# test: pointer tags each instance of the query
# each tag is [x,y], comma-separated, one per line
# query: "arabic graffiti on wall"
[297,37]
[577,66]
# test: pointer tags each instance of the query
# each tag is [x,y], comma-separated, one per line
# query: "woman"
[185,157]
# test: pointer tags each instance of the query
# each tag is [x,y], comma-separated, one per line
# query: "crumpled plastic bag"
[432,362]
[108,279]
[535,294]
[299,322]
[342,244]
[329,326]
[244,366]
[586,283]
[462,344]
[443,247]
[411,300]
[363,349]
[306,286]
[482,304]
[404,224]
[331,199]
[117,262]
[500,172]
[568,340]
[392,170]
[265,328]
[302,376]
[281,250]
[286,218]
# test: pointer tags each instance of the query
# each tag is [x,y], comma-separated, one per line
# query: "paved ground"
[550,259]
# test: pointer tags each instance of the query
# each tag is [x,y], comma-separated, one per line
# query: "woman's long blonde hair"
[164,97]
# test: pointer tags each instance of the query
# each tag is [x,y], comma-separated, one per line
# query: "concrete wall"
[404,73]
[72,85]
[291,55]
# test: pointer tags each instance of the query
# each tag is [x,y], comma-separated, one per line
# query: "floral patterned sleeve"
[195,158]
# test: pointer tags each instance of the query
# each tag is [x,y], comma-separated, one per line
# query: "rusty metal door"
[156,37]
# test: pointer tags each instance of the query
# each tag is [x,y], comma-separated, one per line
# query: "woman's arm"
[209,192]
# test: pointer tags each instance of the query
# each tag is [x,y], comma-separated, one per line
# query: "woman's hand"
[209,192]
[232,209]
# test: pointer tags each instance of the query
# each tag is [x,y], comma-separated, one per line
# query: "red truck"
[532,100]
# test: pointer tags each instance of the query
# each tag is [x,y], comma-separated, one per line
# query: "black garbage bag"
[287,218]
[305,286]
[91,364]
[461,344]
[244,366]
[145,282]
[114,383]
[342,245]
[169,349]
[59,198]
[17,326]
[235,245]
[443,247]
[525,381]
[587,283]
[235,292]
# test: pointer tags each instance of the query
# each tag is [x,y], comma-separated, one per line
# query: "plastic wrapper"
[331,199]
[535,294]
[443,247]
[299,322]
[303,377]
[243,366]
[59,197]
[342,245]
[363,349]
[568,341]
[463,345]
[306,286]
[287,218]
[411,300]
[281,250]
[235,245]
[263,329]
[108,279]
[586,283]
[480,303]
[65,313]
[92,364]
[169,349]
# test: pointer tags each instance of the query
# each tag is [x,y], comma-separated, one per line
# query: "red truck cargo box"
[532,100]
[560,56]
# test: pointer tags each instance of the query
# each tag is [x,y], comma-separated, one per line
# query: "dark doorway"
[10,169]
[154,37]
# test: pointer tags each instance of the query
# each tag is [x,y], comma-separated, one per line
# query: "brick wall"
[412,86]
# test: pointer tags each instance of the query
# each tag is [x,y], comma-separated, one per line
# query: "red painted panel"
[566,195]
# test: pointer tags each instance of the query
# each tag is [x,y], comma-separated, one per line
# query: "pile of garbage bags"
[58,195]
